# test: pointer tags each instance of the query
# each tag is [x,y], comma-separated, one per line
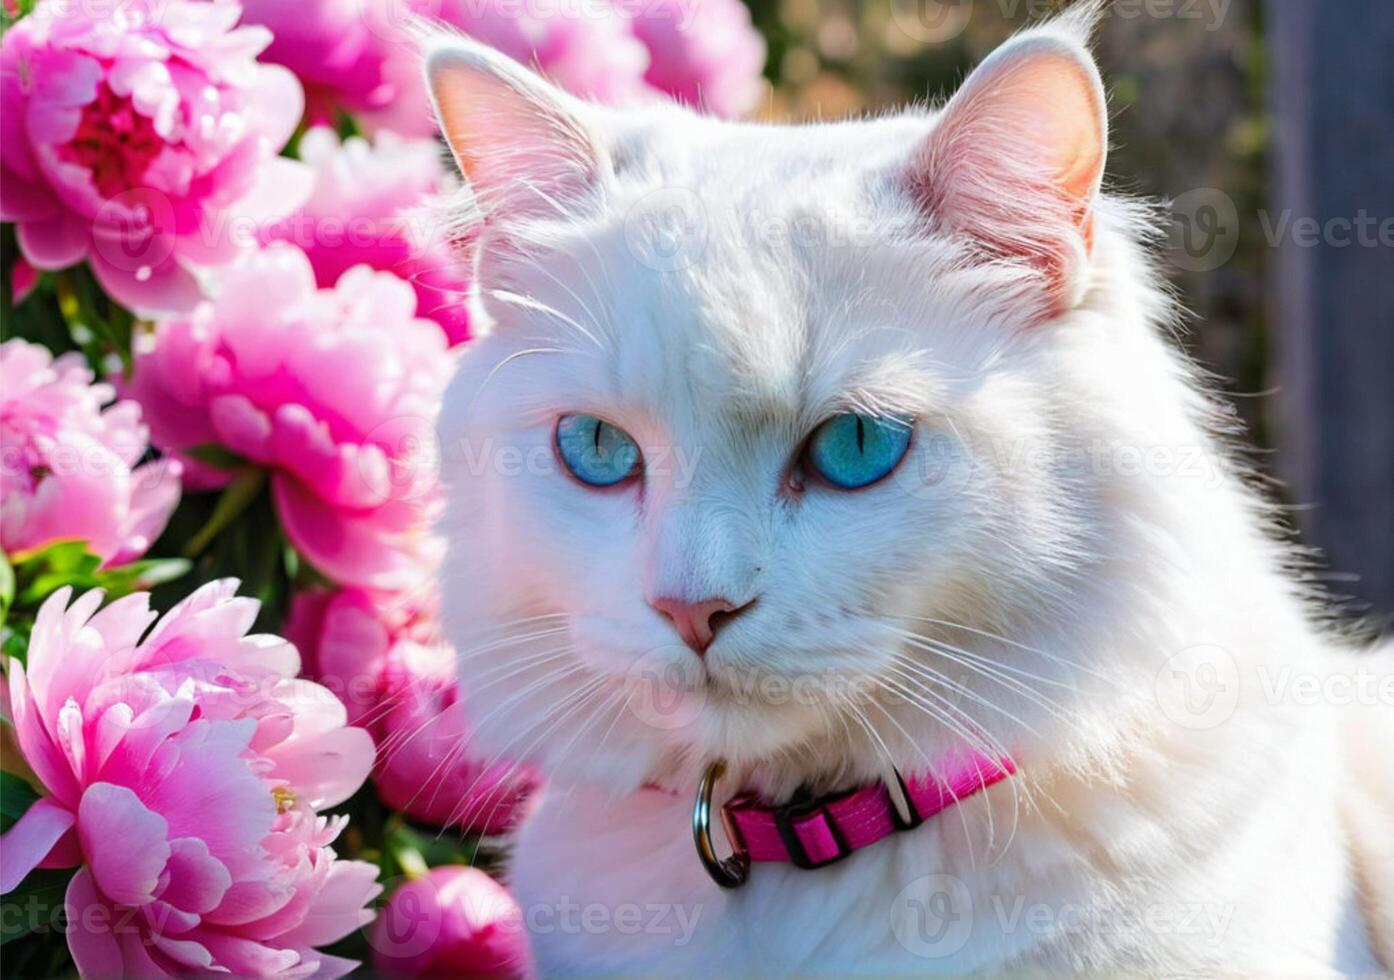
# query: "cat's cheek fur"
[1066,539]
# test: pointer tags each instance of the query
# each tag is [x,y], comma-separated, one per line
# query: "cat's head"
[736,468]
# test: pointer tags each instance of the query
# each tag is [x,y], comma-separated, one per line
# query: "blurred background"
[1267,129]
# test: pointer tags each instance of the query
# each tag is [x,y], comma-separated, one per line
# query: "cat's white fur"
[1071,537]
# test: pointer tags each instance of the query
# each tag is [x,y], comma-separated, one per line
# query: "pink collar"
[813,832]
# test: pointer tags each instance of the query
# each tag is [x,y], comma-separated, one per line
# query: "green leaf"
[238,496]
[7,587]
[36,905]
[430,850]
[38,574]
[141,576]
[14,641]
[217,456]
[61,556]
[16,797]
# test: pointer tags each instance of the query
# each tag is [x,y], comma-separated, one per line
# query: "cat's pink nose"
[696,622]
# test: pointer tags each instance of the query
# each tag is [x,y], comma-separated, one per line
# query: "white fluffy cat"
[1065,566]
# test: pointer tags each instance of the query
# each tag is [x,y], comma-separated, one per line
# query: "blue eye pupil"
[851,451]
[596,452]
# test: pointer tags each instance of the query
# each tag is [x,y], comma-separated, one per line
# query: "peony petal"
[325,768]
[280,104]
[130,873]
[327,967]
[23,200]
[197,880]
[36,744]
[90,918]
[56,243]
[135,951]
[248,958]
[155,492]
[281,187]
[347,546]
[162,289]
[338,909]
[31,839]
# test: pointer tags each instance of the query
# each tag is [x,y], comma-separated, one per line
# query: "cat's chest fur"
[1101,879]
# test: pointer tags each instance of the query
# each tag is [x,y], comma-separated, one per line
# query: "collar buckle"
[803,813]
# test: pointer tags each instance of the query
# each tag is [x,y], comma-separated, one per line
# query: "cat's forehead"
[751,334]
[751,277]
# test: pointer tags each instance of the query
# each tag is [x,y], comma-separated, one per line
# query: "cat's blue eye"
[596,452]
[852,451]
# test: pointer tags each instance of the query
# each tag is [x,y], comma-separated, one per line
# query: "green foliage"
[7,587]
[40,573]
[35,906]
[21,7]
[16,797]
[28,578]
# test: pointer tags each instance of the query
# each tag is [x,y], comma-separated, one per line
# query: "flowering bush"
[228,336]
[138,137]
[332,390]
[185,768]
[363,211]
[68,466]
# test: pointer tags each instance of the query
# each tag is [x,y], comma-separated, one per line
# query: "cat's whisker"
[474,653]
[475,679]
[585,307]
[614,698]
[929,767]
[996,637]
[1009,668]
[986,667]
[1052,707]
[914,671]
[528,303]
[552,678]
[520,695]
[578,698]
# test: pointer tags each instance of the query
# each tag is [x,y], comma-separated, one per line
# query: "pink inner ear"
[1016,158]
[1067,120]
[516,141]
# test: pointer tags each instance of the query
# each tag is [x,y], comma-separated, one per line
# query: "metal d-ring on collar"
[730,872]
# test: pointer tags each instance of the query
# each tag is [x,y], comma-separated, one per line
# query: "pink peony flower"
[363,212]
[451,922]
[185,765]
[142,137]
[385,659]
[703,52]
[68,467]
[585,46]
[335,391]
[352,56]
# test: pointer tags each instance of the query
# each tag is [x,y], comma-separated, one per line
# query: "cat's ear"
[1016,158]
[526,148]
